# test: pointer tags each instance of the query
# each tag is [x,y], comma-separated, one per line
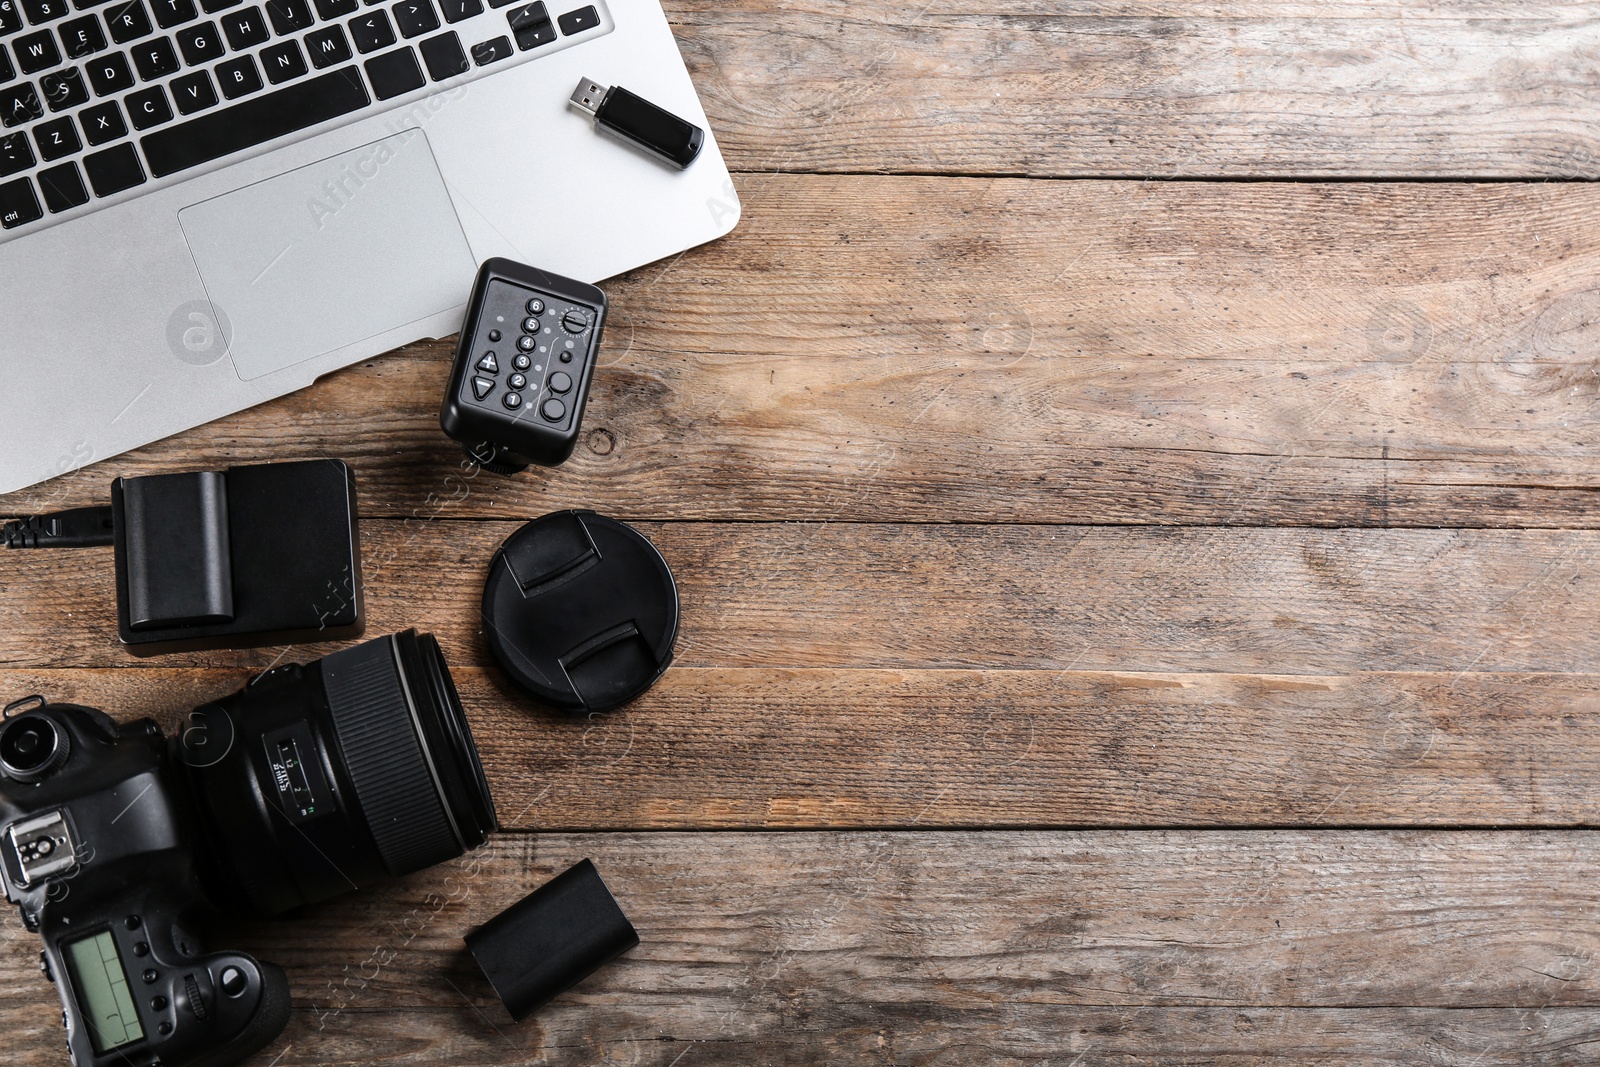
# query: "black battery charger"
[260,555]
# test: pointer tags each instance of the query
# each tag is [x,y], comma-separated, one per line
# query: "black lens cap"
[581,610]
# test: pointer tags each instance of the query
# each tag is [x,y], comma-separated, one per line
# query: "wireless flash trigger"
[523,366]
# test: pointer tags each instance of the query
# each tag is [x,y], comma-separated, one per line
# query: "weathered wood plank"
[962,948]
[1040,352]
[717,748]
[1279,601]
[1137,89]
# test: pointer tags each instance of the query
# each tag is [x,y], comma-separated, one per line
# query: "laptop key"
[114,170]
[128,22]
[63,188]
[246,28]
[328,47]
[371,32]
[256,121]
[156,59]
[102,123]
[37,51]
[289,16]
[585,18]
[444,56]
[200,44]
[333,9]
[194,92]
[10,17]
[6,73]
[57,138]
[16,155]
[415,18]
[457,10]
[531,26]
[82,37]
[110,74]
[64,89]
[395,73]
[20,104]
[18,205]
[491,51]
[238,77]
[170,13]
[41,11]
[211,7]
[147,108]
[283,62]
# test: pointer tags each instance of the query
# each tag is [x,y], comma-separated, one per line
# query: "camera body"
[96,855]
[311,781]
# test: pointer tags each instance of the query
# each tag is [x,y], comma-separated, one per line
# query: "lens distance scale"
[523,366]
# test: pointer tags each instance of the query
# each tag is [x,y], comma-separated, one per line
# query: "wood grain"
[917,350]
[1278,601]
[960,948]
[720,748]
[1149,89]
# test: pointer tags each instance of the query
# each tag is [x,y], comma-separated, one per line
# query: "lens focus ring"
[397,788]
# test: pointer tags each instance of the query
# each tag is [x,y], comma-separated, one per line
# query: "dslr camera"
[116,840]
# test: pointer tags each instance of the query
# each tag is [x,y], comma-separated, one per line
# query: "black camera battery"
[523,366]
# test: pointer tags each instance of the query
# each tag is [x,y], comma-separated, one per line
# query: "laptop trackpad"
[330,254]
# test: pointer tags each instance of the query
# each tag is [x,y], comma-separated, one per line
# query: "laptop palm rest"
[328,255]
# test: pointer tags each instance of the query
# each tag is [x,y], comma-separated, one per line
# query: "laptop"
[205,204]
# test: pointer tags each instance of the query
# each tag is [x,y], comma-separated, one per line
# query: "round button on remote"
[553,409]
[535,306]
[522,362]
[531,325]
[517,381]
[512,400]
[526,343]
[559,382]
[575,321]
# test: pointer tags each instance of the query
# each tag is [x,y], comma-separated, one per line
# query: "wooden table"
[1132,480]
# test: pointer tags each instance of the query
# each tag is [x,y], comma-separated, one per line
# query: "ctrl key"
[18,204]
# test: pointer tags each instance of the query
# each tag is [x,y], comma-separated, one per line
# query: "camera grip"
[264,1024]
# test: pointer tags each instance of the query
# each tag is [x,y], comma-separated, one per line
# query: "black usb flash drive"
[636,119]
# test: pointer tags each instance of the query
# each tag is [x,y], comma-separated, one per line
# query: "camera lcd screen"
[102,987]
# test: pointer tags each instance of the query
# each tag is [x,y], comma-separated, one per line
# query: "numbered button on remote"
[526,343]
[522,362]
[517,381]
[536,306]
[512,400]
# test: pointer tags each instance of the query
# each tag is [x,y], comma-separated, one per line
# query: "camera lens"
[31,747]
[317,780]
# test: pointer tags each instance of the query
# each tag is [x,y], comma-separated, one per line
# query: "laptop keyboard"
[105,100]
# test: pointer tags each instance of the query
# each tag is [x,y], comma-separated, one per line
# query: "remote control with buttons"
[523,367]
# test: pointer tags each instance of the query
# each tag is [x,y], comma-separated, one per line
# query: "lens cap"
[581,610]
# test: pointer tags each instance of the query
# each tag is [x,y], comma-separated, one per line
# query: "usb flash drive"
[638,120]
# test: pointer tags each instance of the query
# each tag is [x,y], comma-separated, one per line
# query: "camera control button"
[575,321]
[158,1003]
[482,387]
[560,383]
[512,400]
[44,966]
[566,357]
[489,364]
[232,981]
[141,949]
[164,1028]
[553,409]
[151,975]
[132,922]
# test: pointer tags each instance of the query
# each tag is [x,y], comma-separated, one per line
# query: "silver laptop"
[205,204]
